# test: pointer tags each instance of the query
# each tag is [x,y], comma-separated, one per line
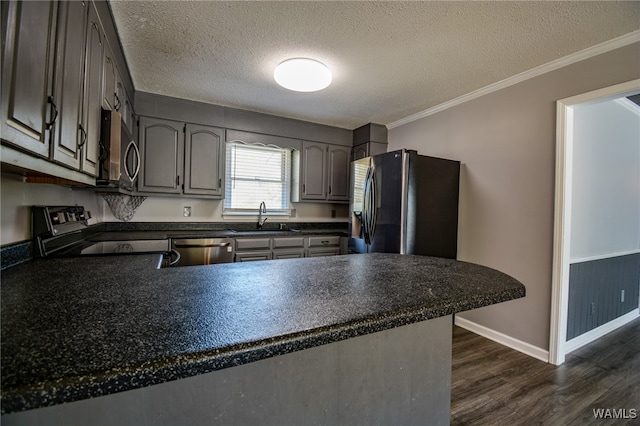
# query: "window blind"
[257,173]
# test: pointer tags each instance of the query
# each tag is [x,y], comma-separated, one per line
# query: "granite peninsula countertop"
[76,328]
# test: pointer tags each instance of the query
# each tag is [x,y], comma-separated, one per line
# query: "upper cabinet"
[204,160]
[92,99]
[162,154]
[69,131]
[57,73]
[28,107]
[338,166]
[179,158]
[314,171]
[109,79]
[324,172]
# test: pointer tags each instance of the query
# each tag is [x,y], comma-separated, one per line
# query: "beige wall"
[506,142]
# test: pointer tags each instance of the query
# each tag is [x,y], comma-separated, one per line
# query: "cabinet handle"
[83,136]
[220,183]
[304,190]
[178,180]
[55,112]
[329,189]
[118,104]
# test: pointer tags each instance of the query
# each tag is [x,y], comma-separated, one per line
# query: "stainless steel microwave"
[119,154]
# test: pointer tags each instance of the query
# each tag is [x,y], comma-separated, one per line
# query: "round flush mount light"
[302,75]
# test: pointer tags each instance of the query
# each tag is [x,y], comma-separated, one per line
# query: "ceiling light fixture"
[302,75]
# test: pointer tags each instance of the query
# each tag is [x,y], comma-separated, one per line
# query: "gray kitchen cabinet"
[92,94]
[323,246]
[28,108]
[124,104]
[313,171]
[162,154]
[204,160]
[179,158]
[109,78]
[368,149]
[288,248]
[69,132]
[339,166]
[253,249]
[324,173]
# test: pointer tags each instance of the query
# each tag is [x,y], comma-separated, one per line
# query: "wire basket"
[123,206]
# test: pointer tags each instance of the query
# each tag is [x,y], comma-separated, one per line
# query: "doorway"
[565,129]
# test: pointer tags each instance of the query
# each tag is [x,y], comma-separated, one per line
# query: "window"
[257,173]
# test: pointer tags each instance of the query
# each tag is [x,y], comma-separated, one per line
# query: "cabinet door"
[109,78]
[203,160]
[338,175]
[360,151]
[68,132]
[27,70]
[92,98]
[314,169]
[162,152]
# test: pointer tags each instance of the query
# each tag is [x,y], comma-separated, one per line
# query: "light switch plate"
[186,211]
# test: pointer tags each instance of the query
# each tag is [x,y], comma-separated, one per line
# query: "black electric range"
[60,231]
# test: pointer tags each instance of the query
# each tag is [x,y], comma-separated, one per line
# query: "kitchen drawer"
[288,242]
[253,244]
[253,256]
[318,252]
[288,254]
[327,241]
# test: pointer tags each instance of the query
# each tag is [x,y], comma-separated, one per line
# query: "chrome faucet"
[262,209]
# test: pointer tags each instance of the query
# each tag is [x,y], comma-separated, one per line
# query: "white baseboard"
[596,333]
[503,339]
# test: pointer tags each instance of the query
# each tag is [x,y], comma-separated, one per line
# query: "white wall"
[16,198]
[605,205]
[167,209]
[506,142]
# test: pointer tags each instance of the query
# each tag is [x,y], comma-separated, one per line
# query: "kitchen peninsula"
[330,340]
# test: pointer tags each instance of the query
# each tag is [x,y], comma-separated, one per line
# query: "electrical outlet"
[622,296]
[186,211]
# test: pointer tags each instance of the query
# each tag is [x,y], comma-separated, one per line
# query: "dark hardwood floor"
[495,385]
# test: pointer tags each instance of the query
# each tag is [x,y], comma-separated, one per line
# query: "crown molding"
[587,53]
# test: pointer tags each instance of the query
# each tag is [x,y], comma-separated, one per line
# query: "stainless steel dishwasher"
[202,251]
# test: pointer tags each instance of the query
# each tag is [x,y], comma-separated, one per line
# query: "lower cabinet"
[251,249]
[288,248]
[323,246]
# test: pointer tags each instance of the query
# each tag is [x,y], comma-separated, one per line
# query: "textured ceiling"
[389,59]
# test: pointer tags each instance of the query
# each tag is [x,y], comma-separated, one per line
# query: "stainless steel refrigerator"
[402,202]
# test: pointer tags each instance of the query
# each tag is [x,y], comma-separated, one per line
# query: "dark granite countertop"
[83,327]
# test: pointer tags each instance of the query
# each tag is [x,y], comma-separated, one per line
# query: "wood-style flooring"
[495,385]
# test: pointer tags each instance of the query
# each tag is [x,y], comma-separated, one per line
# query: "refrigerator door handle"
[365,208]
[373,210]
